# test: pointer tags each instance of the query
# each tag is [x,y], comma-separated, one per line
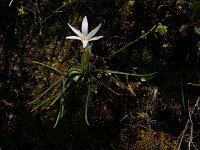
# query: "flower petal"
[75,30]
[73,38]
[94,31]
[84,27]
[96,38]
[85,43]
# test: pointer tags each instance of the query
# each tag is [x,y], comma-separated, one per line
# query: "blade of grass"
[56,97]
[41,95]
[86,105]
[57,119]
[47,66]
[123,73]
[61,112]
[36,107]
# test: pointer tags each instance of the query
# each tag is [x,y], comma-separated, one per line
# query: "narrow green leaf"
[143,79]
[197,29]
[61,112]
[130,44]
[57,119]
[42,103]
[123,73]
[56,97]
[47,90]
[86,104]
[47,66]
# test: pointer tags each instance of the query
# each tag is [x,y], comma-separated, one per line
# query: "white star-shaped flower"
[84,36]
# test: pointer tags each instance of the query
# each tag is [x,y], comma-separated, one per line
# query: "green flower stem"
[85,66]
[128,45]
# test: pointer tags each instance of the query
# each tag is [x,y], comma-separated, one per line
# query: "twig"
[190,113]
[191,131]
[182,95]
[56,11]
[37,12]
[193,84]
[107,87]
[10,3]
[37,15]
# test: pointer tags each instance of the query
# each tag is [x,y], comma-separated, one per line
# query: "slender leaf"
[56,97]
[47,66]
[61,112]
[42,103]
[86,104]
[47,90]
[130,44]
[123,73]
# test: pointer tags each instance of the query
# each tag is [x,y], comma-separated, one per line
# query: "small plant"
[193,14]
[161,29]
[80,75]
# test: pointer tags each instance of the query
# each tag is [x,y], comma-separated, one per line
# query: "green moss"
[150,140]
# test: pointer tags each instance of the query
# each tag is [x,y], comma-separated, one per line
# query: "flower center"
[84,37]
